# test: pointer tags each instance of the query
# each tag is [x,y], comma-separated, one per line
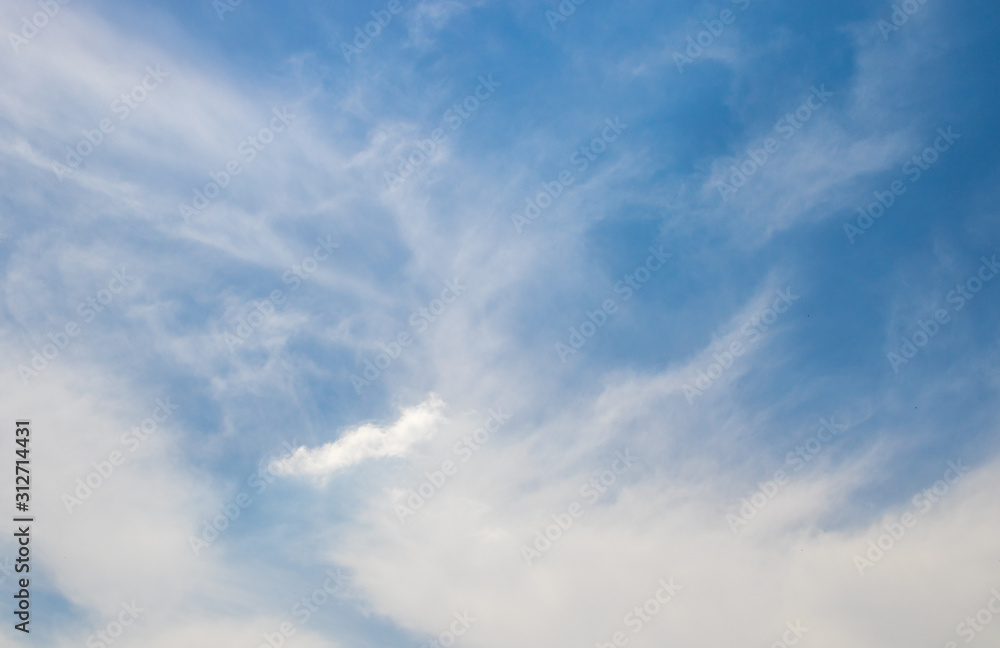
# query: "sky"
[478,323]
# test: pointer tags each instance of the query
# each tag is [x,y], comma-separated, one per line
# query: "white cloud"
[367,441]
[461,551]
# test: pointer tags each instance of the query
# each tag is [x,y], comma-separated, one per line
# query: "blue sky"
[573,270]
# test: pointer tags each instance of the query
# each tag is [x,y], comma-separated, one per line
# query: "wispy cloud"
[713,379]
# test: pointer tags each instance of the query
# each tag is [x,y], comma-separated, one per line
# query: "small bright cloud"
[367,441]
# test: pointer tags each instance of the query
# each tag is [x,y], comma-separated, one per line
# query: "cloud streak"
[365,442]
